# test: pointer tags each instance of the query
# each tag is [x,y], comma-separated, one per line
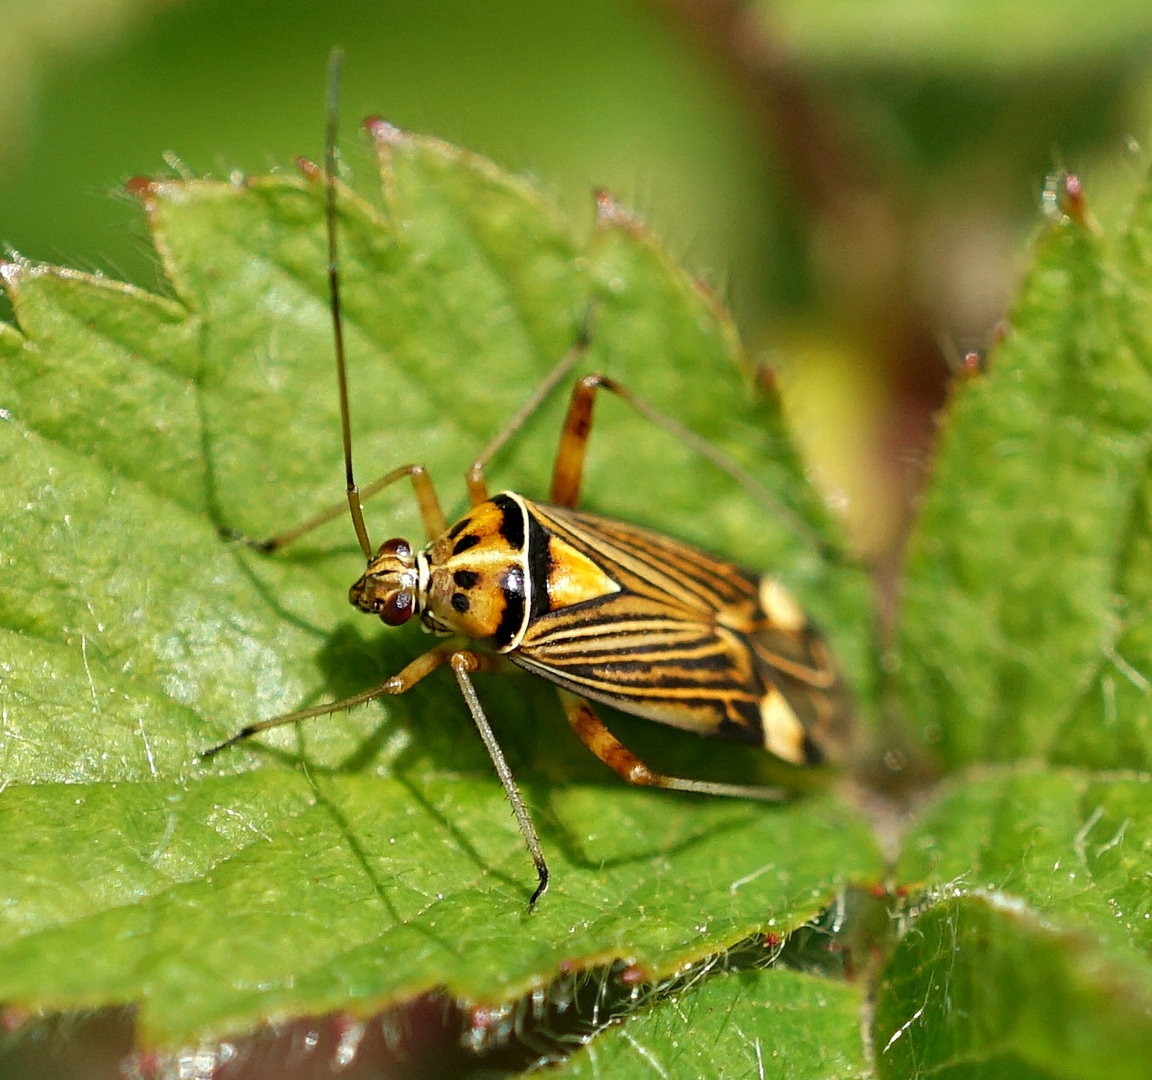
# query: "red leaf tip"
[971,365]
[607,208]
[382,131]
[634,975]
[143,187]
[1064,200]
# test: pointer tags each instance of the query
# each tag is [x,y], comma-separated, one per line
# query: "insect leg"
[477,485]
[400,683]
[568,469]
[463,663]
[430,512]
[590,730]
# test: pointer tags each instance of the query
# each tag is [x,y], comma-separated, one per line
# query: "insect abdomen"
[688,640]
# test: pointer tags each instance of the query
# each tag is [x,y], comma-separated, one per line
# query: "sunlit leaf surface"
[368,856]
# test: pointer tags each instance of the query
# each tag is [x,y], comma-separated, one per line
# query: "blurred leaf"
[1023,638]
[597,93]
[1028,558]
[36,31]
[365,857]
[961,33]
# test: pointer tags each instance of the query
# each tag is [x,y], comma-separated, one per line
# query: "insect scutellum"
[606,611]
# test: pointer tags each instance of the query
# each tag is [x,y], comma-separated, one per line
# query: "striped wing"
[684,639]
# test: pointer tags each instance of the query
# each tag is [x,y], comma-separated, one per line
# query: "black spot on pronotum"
[512,618]
[511,521]
[466,579]
[460,602]
[464,543]
[458,528]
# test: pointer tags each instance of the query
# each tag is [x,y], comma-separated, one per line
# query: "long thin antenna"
[331,131]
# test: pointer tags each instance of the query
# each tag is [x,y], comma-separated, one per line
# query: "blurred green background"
[856,179]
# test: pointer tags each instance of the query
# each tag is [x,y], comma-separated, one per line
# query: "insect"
[607,611]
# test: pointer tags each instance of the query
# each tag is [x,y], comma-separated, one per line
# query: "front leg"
[426,499]
[400,683]
[464,662]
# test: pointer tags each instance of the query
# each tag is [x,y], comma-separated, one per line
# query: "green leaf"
[1023,637]
[1071,845]
[983,988]
[365,857]
[759,1023]
[1029,553]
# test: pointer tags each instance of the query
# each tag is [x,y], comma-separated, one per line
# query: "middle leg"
[568,470]
[477,484]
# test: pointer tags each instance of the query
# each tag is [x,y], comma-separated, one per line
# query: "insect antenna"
[331,129]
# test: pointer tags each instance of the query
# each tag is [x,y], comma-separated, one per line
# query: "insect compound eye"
[400,548]
[398,608]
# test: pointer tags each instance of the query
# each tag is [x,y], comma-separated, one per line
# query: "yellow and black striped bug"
[608,612]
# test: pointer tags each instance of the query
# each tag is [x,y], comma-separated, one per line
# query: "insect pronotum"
[608,612]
